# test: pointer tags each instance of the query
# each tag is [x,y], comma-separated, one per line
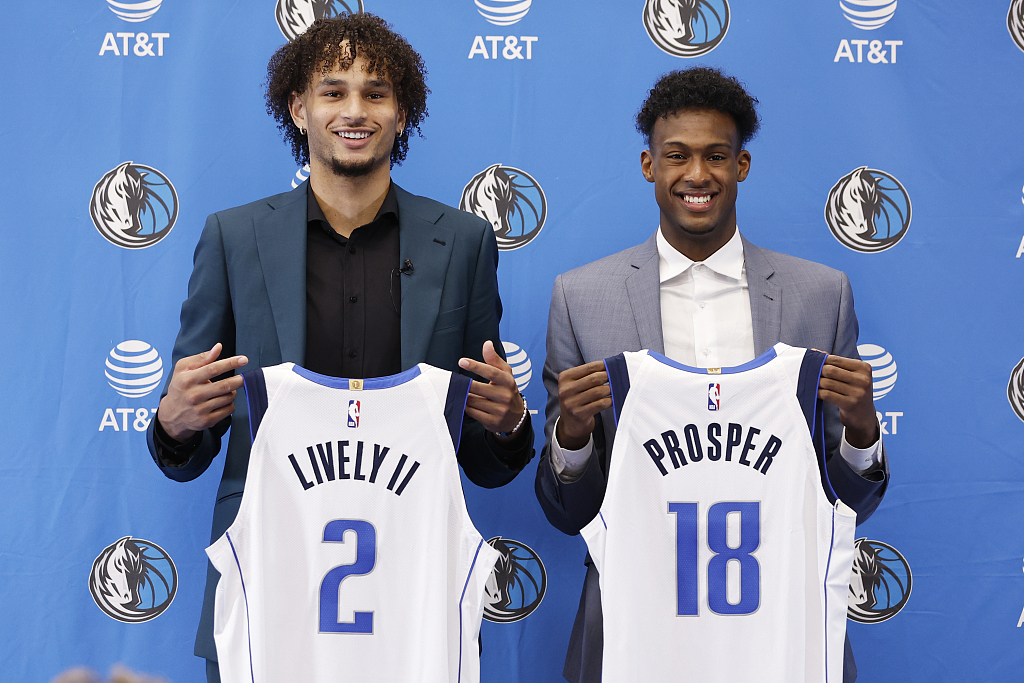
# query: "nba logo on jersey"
[353,413]
[714,394]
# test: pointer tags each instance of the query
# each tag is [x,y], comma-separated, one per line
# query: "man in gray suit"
[347,275]
[703,295]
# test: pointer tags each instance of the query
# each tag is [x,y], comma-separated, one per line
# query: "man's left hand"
[846,383]
[496,403]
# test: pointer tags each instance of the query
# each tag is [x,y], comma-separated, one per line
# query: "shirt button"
[704,352]
[701,304]
[351,250]
[354,299]
[699,267]
[352,353]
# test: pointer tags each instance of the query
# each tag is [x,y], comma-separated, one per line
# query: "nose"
[696,172]
[353,109]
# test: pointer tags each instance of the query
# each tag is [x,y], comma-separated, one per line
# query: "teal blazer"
[248,291]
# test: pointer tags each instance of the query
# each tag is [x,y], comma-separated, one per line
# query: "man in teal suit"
[347,275]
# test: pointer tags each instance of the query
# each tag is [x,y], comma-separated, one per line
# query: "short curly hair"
[337,42]
[699,87]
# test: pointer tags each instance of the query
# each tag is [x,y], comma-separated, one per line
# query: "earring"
[302,131]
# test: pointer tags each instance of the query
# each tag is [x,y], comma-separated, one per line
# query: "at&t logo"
[868,15]
[134,206]
[133,369]
[295,16]
[880,583]
[143,44]
[517,583]
[300,176]
[133,580]
[883,379]
[522,369]
[1015,22]
[686,28]
[510,200]
[503,13]
[868,210]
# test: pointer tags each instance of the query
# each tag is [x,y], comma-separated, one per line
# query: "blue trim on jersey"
[828,565]
[618,382]
[455,406]
[255,384]
[248,630]
[371,383]
[813,410]
[601,515]
[462,597]
[765,357]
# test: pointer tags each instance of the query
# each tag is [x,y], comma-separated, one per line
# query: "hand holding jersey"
[196,399]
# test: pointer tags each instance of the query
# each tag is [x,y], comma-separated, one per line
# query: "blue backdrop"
[918,106]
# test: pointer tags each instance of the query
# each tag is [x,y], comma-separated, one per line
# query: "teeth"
[353,135]
[698,199]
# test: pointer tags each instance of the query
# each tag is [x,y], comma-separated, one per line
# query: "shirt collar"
[727,261]
[315,213]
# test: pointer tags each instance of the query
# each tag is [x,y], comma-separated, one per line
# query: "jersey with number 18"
[352,556]
[723,553]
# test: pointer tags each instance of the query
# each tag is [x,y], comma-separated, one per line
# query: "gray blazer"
[613,305]
[248,291]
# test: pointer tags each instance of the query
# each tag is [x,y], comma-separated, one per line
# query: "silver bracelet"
[519,424]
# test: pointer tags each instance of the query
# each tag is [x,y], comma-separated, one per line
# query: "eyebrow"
[713,145]
[373,83]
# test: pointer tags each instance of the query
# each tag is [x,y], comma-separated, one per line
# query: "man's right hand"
[583,392]
[195,402]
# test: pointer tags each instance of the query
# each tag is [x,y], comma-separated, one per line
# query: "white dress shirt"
[705,323]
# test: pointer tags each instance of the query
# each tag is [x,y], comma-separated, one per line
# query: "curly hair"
[699,87]
[336,43]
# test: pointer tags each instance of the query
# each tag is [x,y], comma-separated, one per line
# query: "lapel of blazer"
[281,243]
[765,297]
[429,247]
[643,286]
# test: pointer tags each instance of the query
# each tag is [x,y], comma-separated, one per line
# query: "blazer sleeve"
[206,318]
[486,462]
[862,493]
[568,506]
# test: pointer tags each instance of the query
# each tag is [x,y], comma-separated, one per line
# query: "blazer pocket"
[450,319]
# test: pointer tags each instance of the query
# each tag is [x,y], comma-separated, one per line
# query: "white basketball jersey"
[352,556]
[723,553]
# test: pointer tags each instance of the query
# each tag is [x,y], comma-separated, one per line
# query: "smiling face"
[695,163]
[352,118]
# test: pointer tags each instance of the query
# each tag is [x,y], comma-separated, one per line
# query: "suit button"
[353,299]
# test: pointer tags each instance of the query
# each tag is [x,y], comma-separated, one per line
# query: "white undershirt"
[705,323]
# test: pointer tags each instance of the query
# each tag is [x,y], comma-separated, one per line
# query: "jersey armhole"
[455,406]
[256,396]
[812,408]
[618,382]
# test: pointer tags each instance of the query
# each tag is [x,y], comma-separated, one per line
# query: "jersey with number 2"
[352,556]
[723,553]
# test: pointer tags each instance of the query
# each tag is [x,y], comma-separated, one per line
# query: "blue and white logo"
[883,368]
[503,12]
[868,14]
[295,16]
[510,200]
[134,206]
[1015,389]
[134,11]
[1015,22]
[686,28]
[134,368]
[133,580]
[300,176]
[868,210]
[522,369]
[517,583]
[880,583]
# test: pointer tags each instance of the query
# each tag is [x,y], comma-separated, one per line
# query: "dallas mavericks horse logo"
[868,210]
[880,584]
[686,28]
[1015,22]
[1015,389]
[510,200]
[517,583]
[134,206]
[133,580]
[295,16]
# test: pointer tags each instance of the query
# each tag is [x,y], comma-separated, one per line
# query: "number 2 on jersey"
[366,559]
[687,539]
